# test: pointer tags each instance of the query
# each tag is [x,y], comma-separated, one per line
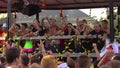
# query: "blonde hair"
[48,61]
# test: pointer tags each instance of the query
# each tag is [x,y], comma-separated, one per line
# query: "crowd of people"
[52,28]
[15,58]
[16,52]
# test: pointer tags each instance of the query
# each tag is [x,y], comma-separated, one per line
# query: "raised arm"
[36,24]
[42,48]
[12,29]
[108,54]
[76,31]
[70,61]
[67,54]
[77,22]
[104,36]
[96,51]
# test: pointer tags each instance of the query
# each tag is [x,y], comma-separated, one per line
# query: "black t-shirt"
[71,33]
[71,46]
[98,40]
[101,32]
[38,33]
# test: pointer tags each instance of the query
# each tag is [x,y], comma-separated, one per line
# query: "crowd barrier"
[56,37]
[60,37]
[75,55]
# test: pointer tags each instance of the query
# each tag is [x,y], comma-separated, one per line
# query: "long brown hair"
[114,64]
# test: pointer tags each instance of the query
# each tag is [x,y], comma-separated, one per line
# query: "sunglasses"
[68,26]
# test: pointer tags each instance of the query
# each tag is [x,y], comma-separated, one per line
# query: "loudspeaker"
[31,9]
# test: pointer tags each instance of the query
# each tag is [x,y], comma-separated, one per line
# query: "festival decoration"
[89,17]
[61,13]
[15,15]
[67,48]
[28,45]
[3,49]
[43,3]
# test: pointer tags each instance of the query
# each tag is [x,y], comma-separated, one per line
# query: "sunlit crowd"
[27,53]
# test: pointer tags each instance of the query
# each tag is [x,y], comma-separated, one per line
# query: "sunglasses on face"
[68,26]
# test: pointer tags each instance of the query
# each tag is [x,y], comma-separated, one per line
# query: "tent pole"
[9,21]
[111,21]
[37,16]
[119,19]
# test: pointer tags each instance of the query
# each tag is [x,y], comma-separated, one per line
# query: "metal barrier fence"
[60,37]
[56,37]
[75,54]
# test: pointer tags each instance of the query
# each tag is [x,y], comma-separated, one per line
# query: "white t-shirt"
[63,65]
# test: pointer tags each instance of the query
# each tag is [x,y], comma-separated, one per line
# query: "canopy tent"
[62,4]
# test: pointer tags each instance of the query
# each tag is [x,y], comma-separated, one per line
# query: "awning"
[62,4]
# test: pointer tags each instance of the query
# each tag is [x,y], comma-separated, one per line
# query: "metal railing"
[56,37]
[75,55]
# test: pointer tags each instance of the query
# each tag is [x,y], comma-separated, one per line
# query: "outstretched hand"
[41,44]
[67,54]
[94,45]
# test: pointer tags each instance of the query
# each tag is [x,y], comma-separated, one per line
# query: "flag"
[115,47]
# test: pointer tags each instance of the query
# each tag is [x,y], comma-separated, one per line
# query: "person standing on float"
[4,35]
[28,46]
[15,30]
